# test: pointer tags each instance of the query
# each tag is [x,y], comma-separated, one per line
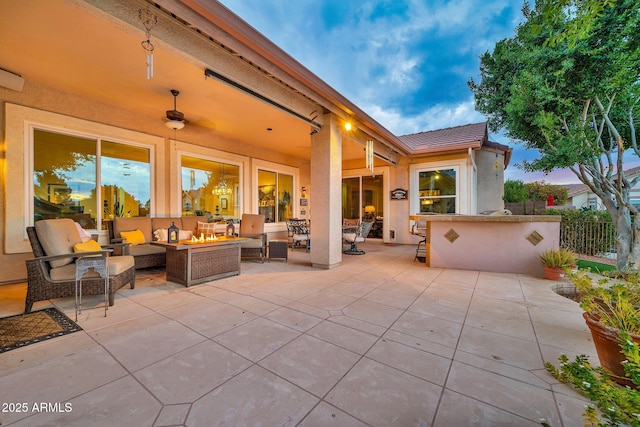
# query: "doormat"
[24,329]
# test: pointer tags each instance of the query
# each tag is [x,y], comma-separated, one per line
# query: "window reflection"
[210,188]
[275,195]
[437,191]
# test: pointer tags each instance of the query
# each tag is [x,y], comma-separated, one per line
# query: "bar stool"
[99,265]
[419,228]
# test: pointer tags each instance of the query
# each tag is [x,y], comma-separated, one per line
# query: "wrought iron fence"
[594,238]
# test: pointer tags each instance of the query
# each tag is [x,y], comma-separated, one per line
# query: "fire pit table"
[191,262]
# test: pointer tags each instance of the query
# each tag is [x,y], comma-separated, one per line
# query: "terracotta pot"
[553,273]
[605,340]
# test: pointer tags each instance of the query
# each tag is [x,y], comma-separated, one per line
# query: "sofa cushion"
[142,223]
[165,223]
[115,266]
[57,237]
[135,237]
[146,249]
[191,223]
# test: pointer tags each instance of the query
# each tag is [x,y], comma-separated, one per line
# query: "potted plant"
[610,306]
[556,261]
[612,312]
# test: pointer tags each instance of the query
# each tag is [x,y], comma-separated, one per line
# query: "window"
[210,188]
[88,179]
[275,195]
[437,191]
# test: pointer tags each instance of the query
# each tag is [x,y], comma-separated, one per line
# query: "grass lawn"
[596,267]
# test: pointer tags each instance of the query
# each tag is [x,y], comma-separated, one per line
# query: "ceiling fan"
[175,118]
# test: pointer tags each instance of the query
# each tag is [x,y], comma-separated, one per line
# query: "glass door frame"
[380,170]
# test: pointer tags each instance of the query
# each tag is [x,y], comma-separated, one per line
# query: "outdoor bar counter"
[500,243]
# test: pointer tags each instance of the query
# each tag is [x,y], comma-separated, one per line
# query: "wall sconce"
[348,126]
[304,192]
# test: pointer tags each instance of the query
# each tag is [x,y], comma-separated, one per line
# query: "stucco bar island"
[502,243]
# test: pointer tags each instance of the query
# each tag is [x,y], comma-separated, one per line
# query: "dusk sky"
[406,63]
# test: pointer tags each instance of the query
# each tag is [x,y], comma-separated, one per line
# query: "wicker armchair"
[49,277]
[252,226]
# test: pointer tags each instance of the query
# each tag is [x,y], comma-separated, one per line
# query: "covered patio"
[378,340]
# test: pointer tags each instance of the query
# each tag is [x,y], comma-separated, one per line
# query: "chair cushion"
[115,266]
[349,237]
[251,224]
[135,237]
[300,237]
[57,237]
[251,243]
[88,246]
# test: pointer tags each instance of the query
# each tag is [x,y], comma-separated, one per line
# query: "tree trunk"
[624,240]
[634,262]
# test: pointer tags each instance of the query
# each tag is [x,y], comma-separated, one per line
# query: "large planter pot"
[553,273]
[605,340]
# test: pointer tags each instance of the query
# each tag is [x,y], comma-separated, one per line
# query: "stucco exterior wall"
[502,244]
[490,180]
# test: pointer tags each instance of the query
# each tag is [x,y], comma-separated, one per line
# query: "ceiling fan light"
[174,124]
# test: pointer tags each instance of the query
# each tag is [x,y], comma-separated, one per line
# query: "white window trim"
[19,162]
[257,164]
[386,207]
[99,139]
[415,169]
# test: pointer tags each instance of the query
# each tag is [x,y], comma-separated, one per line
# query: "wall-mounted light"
[304,192]
[348,126]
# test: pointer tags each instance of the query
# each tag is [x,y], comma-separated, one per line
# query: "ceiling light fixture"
[174,124]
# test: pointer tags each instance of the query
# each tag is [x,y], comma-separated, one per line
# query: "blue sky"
[405,62]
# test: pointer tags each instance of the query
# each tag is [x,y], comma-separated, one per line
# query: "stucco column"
[326,185]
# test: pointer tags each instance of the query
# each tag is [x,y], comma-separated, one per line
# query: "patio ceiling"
[59,44]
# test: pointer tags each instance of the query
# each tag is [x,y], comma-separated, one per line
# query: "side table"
[99,265]
[278,249]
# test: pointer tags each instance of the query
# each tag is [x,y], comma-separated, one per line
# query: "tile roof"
[454,138]
[575,189]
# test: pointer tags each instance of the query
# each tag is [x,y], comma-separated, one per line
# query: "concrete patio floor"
[378,341]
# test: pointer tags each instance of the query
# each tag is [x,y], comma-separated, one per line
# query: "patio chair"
[52,273]
[298,233]
[358,237]
[252,227]
[419,228]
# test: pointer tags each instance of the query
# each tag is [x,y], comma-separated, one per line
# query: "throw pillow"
[135,237]
[206,228]
[88,246]
[84,235]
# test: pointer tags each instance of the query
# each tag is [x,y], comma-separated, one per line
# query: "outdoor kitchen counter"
[499,243]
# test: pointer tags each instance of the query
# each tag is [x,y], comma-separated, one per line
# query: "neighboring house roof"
[576,189]
[474,136]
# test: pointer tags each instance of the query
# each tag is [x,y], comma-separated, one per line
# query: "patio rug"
[24,329]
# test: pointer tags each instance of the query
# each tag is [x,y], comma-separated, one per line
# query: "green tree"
[515,192]
[570,89]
